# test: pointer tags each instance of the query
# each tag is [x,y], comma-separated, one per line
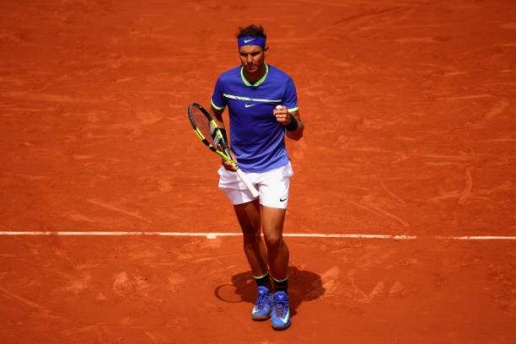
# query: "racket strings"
[203,124]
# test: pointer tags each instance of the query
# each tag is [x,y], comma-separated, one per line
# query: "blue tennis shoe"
[263,305]
[280,311]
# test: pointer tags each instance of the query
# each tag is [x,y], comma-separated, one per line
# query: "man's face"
[252,58]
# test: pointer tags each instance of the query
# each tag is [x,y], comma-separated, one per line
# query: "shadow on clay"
[303,286]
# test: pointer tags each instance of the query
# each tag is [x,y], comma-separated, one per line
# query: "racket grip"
[247,183]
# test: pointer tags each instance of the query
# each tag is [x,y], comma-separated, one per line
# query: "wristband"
[292,126]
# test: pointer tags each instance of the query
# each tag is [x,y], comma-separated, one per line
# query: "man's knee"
[273,239]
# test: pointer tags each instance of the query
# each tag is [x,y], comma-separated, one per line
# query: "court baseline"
[213,235]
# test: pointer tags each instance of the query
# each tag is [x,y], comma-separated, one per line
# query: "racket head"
[213,137]
[208,131]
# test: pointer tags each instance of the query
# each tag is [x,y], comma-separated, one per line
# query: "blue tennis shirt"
[257,140]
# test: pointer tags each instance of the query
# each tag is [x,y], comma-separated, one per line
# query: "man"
[263,109]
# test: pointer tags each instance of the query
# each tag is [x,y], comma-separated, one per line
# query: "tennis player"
[263,110]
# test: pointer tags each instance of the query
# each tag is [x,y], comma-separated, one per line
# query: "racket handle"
[247,183]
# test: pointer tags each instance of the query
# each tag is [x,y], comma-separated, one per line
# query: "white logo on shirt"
[249,105]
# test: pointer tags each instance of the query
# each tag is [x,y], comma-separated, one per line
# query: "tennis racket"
[214,138]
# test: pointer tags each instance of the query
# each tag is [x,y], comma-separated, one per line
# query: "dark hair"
[251,30]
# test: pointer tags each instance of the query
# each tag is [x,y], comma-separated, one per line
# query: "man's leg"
[248,215]
[277,250]
[278,257]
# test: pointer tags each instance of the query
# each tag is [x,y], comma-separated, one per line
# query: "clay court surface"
[401,223]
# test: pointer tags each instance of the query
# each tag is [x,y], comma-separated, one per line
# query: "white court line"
[213,235]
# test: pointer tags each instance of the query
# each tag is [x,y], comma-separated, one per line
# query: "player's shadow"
[303,286]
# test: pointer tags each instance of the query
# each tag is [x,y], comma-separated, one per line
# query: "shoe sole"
[282,328]
[262,318]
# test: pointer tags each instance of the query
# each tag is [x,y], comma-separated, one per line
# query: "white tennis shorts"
[273,186]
